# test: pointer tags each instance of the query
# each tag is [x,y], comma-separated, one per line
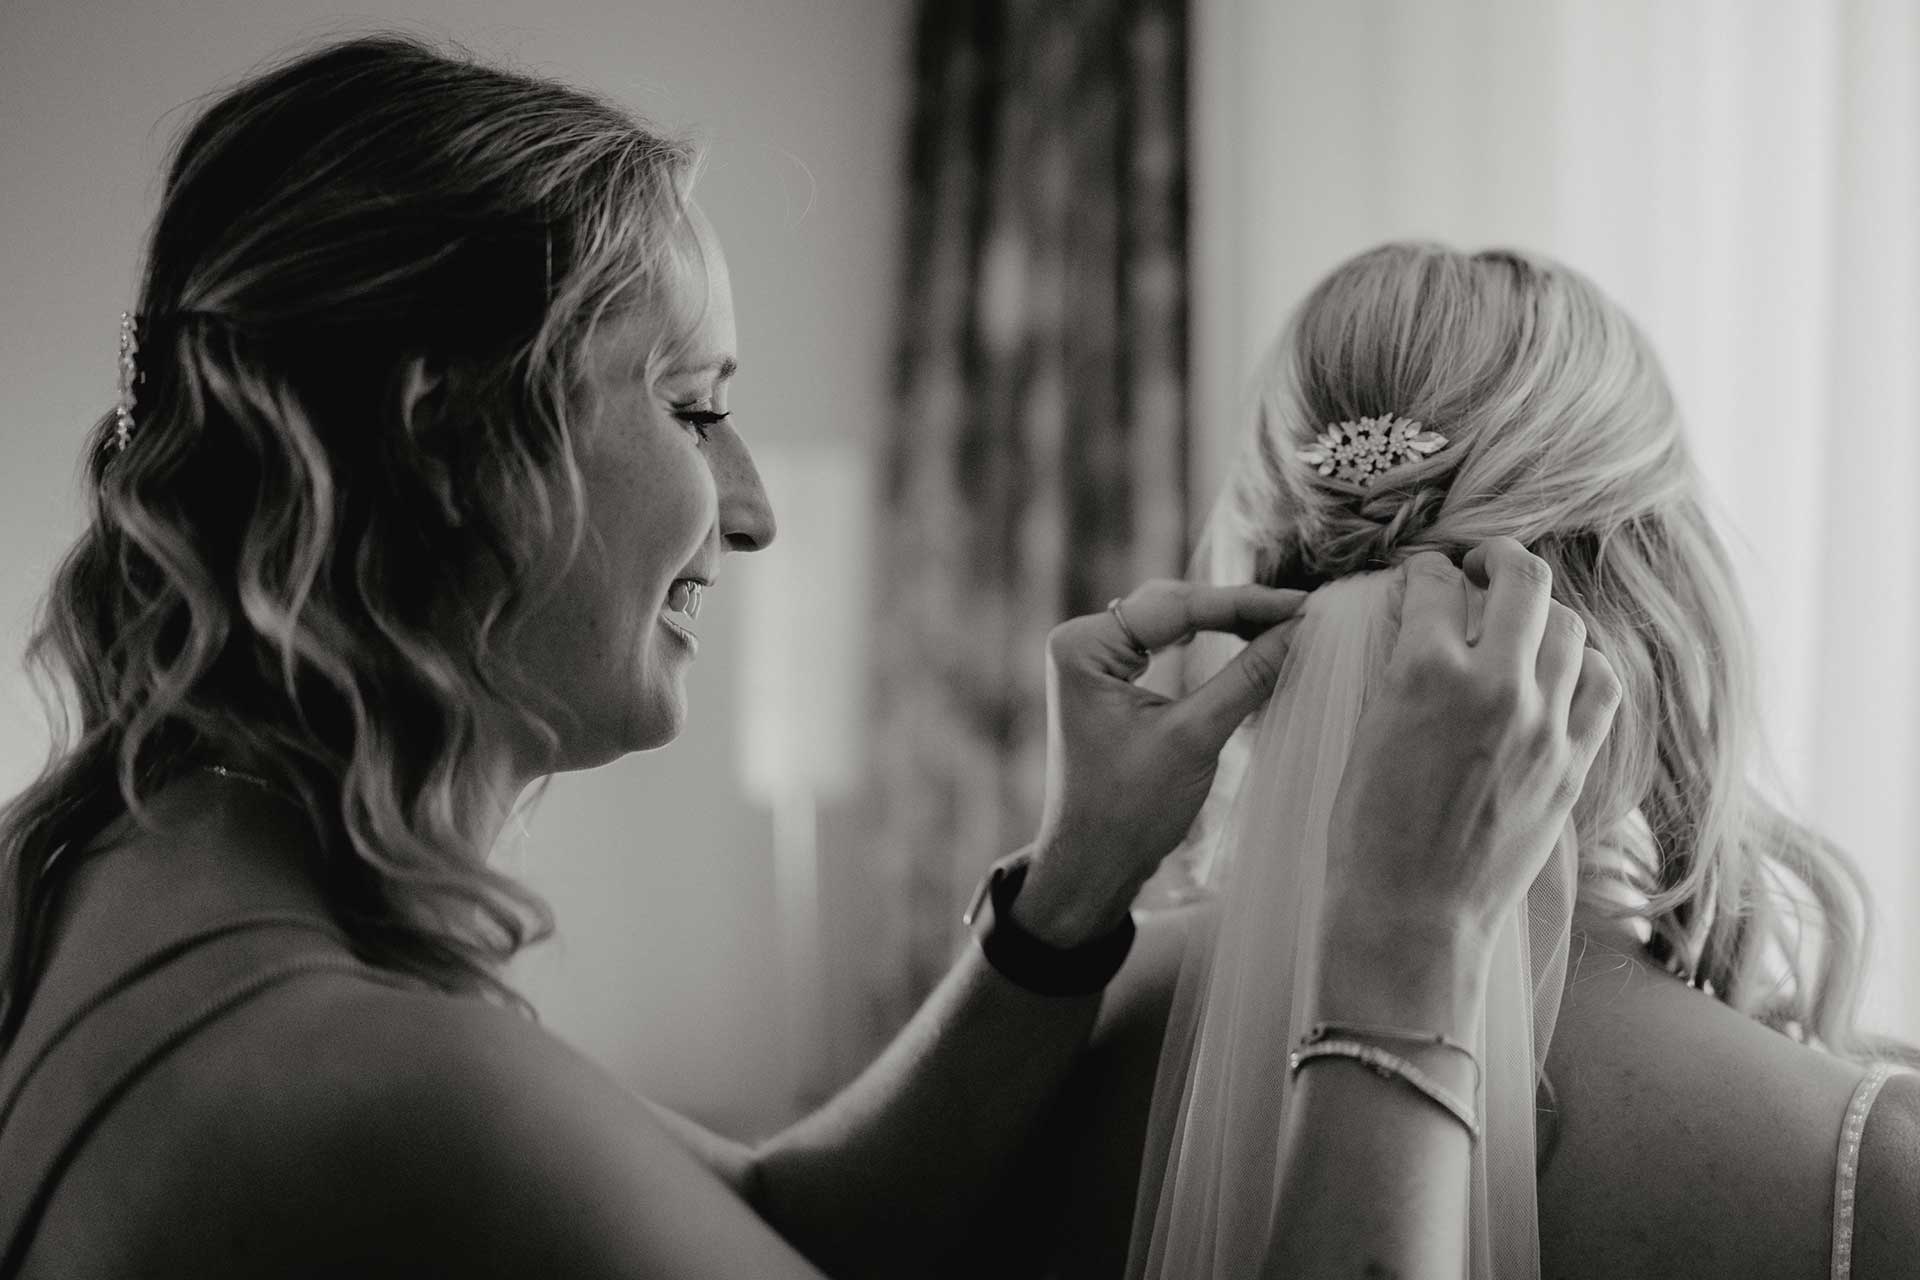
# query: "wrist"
[1030,961]
[1064,911]
[1418,971]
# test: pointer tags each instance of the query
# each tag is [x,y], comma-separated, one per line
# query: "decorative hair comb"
[1361,452]
[129,379]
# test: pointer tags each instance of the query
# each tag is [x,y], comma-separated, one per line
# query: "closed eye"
[702,421]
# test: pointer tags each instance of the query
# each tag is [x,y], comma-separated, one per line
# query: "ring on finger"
[1133,641]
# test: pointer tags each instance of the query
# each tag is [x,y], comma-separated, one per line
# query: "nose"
[746,517]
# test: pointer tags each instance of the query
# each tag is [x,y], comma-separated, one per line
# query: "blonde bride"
[1674,1082]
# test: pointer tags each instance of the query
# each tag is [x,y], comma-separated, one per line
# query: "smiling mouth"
[683,597]
[683,606]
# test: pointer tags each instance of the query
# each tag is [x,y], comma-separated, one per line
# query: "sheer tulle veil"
[1209,1178]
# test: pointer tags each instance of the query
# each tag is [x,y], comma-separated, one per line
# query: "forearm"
[1376,1176]
[1375,1181]
[890,1172]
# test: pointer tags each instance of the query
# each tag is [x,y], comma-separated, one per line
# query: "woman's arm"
[726,1159]
[901,1163]
[1374,1177]
[1450,809]
[1462,775]
[907,1160]
[1066,1198]
[1464,770]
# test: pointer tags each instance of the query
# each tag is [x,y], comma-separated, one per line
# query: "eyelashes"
[701,421]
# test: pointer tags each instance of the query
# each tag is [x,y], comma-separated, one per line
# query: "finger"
[1518,584]
[1596,697]
[1562,648]
[1244,630]
[1433,603]
[1239,689]
[1094,643]
[1166,611]
[1476,612]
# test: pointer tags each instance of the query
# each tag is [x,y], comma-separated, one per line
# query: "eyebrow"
[723,367]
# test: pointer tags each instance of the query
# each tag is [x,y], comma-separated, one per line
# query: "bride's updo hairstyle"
[287,569]
[1563,434]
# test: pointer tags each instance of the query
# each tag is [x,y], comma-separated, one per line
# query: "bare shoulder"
[464,1130]
[1886,1228]
[373,1132]
[1691,1139]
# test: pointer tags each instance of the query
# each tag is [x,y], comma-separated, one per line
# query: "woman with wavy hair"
[1673,1082]
[421,467]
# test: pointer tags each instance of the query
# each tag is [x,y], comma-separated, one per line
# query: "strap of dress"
[1849,1164]
[160,1009]
[13,1080]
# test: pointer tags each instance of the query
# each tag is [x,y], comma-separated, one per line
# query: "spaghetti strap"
[23,1071]
[1848,1164]
[162,1009]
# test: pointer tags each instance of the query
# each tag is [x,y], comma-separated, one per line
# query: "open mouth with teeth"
[683,605]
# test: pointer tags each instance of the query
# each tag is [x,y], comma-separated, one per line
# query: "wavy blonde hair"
[1564,435]
[287,568]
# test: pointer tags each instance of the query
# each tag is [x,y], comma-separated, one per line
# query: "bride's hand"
[1127,769]
[1465,766]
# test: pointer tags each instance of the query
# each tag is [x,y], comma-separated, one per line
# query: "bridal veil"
[1209,1178]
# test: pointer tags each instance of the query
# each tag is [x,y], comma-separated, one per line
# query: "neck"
[480,824]
[1600,943]
[213,848]
[218,839]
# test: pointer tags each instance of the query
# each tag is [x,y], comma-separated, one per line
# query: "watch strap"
[1029,962]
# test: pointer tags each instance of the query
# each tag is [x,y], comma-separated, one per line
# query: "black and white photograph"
[1030,639]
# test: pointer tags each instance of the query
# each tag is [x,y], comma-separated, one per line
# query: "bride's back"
[1692,1140]
[1689,1139]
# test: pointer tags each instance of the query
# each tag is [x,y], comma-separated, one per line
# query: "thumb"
[1240,688]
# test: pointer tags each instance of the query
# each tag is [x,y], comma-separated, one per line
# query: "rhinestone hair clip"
[129,379]
[1361,452]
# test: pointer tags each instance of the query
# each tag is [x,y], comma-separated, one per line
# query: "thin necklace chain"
[220,770]
[241,775]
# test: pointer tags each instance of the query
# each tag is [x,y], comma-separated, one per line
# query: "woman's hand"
[1463,770]
[1466,765]
[1128,769]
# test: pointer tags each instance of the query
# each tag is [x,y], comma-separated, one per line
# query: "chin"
[602,724]
[658,720]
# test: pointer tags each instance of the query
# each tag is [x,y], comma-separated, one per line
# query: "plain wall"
[658,867]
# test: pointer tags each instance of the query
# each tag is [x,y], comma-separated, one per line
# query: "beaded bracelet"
[1387,1066]
[1432,1039]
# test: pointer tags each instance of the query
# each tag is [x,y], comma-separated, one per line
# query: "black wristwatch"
[1025,960]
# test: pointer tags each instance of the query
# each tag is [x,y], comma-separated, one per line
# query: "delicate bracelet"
[1433,1039]
[1387,1066]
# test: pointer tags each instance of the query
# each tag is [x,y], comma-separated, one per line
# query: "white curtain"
[1744,177]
